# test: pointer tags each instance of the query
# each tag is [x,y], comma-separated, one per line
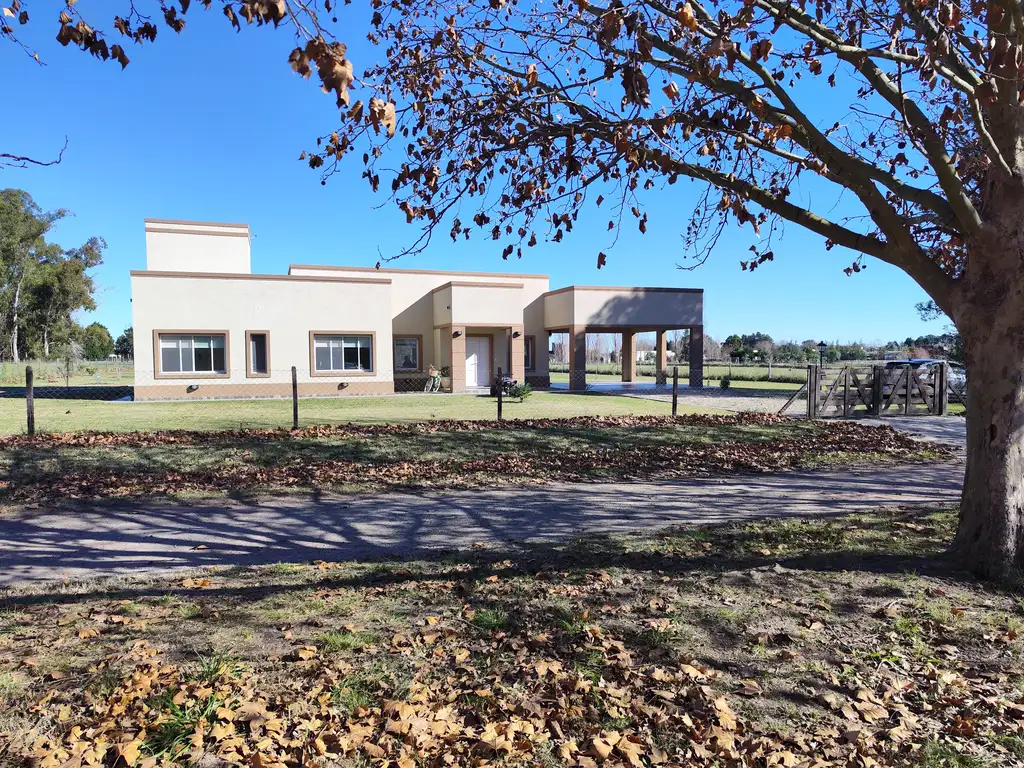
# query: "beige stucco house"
[206,327]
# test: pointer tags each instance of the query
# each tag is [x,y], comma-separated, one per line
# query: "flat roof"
[248,276]
[626,289]
[456,284]
[414,271]
[194,223]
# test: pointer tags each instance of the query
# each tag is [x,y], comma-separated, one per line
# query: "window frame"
[249,373]
[342,374]
[531,342]
[158,372]
[419,352]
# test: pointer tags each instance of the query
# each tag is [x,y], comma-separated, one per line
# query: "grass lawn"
[838,642]
[78,415]
[454,454]
[47,373]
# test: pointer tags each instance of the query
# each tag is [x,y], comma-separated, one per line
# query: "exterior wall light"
[191,387]
[456,334]
[516,334]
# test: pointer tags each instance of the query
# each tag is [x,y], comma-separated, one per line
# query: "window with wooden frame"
[257,354]
[188,354]
[408,352]
[337,353]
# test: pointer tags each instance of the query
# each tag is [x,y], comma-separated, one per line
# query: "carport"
[581,309]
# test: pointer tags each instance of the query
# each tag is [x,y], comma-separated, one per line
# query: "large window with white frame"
[407,353]
[193,353]
[342,353]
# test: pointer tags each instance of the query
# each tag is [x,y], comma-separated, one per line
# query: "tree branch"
[19,161]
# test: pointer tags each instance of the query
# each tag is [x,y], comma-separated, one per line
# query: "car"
[957,373]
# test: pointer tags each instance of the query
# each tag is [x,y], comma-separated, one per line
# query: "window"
[529,350]
[193,353]
[407,353]
[342,352]
[257,353]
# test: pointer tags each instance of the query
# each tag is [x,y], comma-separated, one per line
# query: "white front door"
[478,361]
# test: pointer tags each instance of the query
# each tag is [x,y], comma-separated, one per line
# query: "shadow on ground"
[109,539]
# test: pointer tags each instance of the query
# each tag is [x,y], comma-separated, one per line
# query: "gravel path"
[134,538]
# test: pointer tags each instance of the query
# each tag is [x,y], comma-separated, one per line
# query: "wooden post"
[675,391]
[846,391]
[30,400]
[499,393]
[812,391]
[877,376]
[295,398]
[941,398]
[908,390]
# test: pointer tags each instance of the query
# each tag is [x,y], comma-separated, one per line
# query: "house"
[207,327]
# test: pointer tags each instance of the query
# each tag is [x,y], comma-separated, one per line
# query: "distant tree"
[712,349]
[124,347]
[789,352]
[41,284]
[833,355]
[766,352]
[97,343]
[929,310]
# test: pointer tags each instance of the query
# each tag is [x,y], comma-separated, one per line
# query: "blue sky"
[208,125]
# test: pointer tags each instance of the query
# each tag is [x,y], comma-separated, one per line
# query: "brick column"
[697,356]
[518,354]
[458,362]
[660,357]
[577,357]
[628,356]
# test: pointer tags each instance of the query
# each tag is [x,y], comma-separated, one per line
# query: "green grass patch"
[345,640]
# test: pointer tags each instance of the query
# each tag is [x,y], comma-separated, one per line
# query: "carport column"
[660,358]
[458,362]
[628,356]
[577,357]
[517,350]
[697,356]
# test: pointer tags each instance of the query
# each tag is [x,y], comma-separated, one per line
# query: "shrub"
[725,382]
[522,391]
[446,371]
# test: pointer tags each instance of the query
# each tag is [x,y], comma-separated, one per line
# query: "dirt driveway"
[131,538]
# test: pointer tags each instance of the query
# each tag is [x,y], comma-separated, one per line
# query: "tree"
[520,115]
[97,343]
[41,283]
[766,351]
[929,310]
[510,119]
[124,347]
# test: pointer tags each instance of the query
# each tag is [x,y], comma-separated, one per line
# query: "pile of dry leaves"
[95,481]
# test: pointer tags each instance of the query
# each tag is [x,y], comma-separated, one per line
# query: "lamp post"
[822,346]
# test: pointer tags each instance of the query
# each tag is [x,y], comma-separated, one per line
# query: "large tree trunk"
[990,316]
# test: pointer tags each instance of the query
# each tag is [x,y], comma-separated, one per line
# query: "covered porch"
[579,310]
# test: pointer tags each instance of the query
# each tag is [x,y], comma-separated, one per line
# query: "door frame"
[490,356]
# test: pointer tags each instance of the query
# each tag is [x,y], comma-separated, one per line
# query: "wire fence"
[286,398]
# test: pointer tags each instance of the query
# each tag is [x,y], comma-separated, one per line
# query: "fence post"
[812,391]
[30,400]
[675,390]
[908,391]
[500,377]
[942,385]
[846,392]
[295,398]
[877,374]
